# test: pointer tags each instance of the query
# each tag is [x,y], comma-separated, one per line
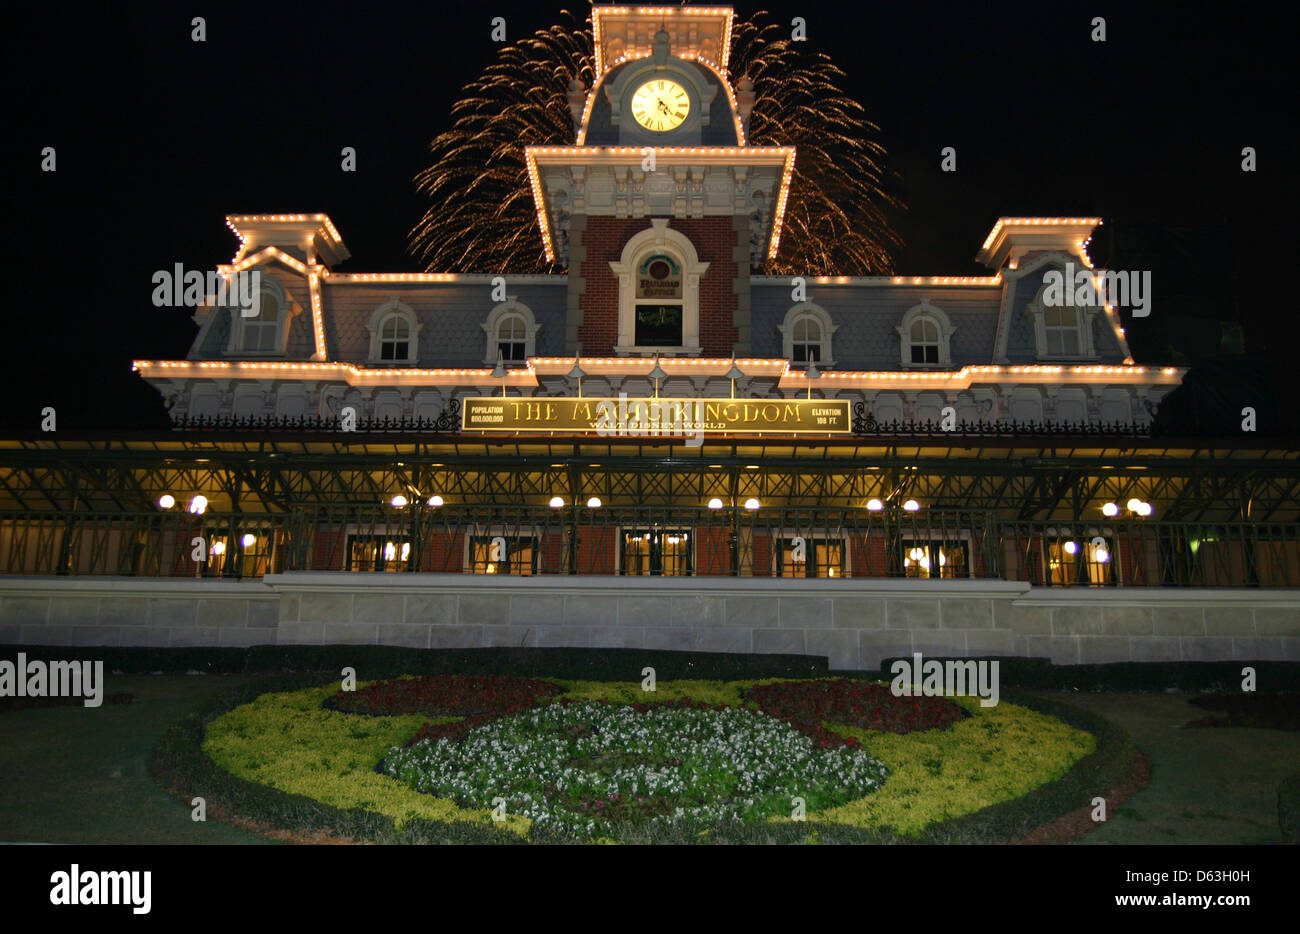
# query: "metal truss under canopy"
[1018,478]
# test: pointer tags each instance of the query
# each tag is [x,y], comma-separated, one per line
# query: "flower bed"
[853,703]
[585,766]
[965,780]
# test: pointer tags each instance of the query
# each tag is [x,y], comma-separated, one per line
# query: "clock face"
[661,105]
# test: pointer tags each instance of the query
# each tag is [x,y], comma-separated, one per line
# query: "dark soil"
[1262,710]
[9,704]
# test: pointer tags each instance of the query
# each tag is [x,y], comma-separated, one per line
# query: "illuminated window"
[930,558]
[657,552]
[658,302]
[378,552]
[814,557]
[659,274]
[1083,561]
[497,554]
[245,554]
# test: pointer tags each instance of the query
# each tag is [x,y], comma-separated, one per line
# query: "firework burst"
[482,217]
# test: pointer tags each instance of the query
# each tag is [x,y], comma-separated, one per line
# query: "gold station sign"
[632,418]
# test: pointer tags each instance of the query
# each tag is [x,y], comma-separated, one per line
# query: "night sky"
[159,137]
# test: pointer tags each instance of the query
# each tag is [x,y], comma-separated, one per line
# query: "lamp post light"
[499,372]
[734,374]
[893,514]
[657,374]
[577,373]
[811,374]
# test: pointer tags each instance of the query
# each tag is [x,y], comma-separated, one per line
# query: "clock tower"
[661,208]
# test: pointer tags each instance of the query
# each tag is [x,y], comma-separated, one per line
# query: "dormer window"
[512,345]
[260,331]
[394,334]
[394,338]
[807,331]
[925,337]
[1062,332]
[511,334]
[265,332]
[807,347]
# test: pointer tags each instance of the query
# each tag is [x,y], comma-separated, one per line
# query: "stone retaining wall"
[853,622]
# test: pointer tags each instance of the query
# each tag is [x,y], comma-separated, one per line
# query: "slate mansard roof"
[866,312]
[994,363]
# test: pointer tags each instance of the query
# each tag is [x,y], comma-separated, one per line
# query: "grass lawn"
[75,774]
[1208,786]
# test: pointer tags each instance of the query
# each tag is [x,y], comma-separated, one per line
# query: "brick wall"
[597,550]
[715,241]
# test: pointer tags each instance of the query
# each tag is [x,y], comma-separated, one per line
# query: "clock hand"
[663,106]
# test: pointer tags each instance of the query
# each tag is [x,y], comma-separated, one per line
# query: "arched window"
[511,334]
[260,331]
[807,332]
[658,301]
[263,333]
[1062,332]
[394,338]
[512,341]
[658,292]
[925,337]
[394,334]
[807,341]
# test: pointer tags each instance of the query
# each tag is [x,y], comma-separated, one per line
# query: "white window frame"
[390,309]
[946,331]
[828,328]
[1083,315]
[659,238]
[237,345]
[492,327]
